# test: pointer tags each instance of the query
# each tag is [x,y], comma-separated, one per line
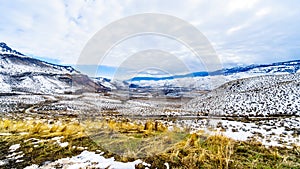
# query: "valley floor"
[108,131]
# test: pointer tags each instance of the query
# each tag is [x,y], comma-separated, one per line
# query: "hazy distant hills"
[19,73]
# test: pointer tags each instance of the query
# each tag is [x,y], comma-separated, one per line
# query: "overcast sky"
[241,31]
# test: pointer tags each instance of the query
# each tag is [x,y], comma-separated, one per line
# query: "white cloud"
[263,12]
[238,5]
[59,29]
[236,28]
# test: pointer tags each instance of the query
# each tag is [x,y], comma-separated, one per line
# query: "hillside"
[273,95]
[19,73]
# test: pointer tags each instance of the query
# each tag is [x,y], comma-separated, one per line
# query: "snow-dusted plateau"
[256,102]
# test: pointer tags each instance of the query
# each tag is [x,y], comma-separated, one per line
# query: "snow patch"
[14,147]
[89,160]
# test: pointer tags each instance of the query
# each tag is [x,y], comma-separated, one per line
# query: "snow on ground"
[276,132]
[4,87]
[2,162]
[14,147]
[13,155]
[258,96]
[89,159]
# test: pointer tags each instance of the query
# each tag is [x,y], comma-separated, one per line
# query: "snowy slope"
[272,95]
[105,82]
[19,73]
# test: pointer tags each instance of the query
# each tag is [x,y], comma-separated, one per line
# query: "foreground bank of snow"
[89,160]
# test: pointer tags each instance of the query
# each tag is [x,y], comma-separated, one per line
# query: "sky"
[242,32]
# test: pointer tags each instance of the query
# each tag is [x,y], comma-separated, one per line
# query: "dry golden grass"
[41,129]
[133,139]
[148,140]
[197,150]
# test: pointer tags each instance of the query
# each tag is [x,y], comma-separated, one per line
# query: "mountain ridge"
[20,73]
[6,49]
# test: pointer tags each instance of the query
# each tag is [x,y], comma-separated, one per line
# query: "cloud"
[263,12]
[248,31]
[53,29]
[237,5]
[236,28]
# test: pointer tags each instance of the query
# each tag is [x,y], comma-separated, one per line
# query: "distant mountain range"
[273,68]
[22,74]
[212,80]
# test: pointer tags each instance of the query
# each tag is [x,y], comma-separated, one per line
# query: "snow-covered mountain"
[272,95]
[105,82]
[212,80]
[19,73]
